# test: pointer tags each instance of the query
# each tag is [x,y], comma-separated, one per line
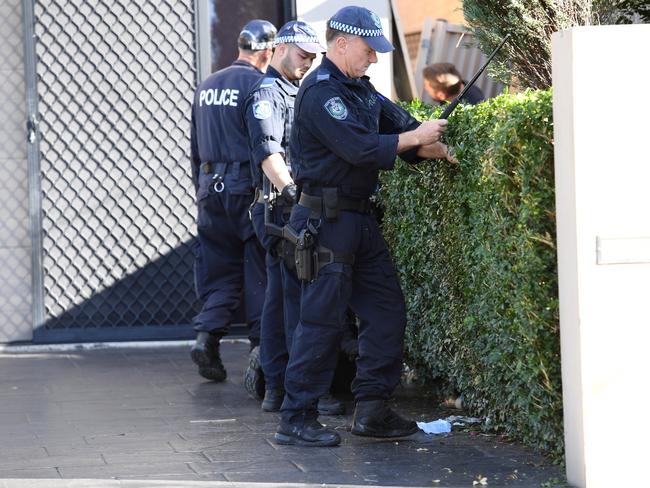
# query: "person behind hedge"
[344,132]
[443,83]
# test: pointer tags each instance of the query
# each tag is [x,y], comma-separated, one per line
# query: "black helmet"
[257,35]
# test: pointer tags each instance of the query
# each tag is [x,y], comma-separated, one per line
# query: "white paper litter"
[439,426]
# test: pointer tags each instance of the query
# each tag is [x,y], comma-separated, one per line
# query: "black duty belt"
[222,168]
[318,204]
[209,167]
[218,170]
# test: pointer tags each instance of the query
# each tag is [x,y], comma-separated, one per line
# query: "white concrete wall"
[318,12]
[602,164]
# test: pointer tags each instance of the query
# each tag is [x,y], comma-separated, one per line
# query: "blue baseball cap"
[302,35]
[361,22]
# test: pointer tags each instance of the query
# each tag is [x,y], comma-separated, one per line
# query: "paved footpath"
[136,417]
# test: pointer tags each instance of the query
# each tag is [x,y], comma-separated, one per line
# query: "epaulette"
[322,76]
[267,82]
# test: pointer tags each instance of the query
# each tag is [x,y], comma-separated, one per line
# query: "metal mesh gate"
[15,245]
[115,84]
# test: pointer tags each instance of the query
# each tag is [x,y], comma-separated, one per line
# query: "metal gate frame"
[35,125]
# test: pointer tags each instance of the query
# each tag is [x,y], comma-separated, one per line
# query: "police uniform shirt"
[218,133]
[344,132]
[269,116]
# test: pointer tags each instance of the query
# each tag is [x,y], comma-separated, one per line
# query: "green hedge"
[475,248]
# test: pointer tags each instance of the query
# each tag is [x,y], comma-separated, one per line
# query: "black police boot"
[328,405]
[253,376]
[205,354]
[373,418]
[313,433]
[272,400]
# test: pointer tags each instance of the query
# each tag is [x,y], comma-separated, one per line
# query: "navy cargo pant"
[281,303]
[229,260]
[371,288]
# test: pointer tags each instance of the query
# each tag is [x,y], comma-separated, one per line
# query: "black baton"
[450,108]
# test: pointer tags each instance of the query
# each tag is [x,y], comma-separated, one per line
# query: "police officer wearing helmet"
[229,259]
[344,132]
[269,116]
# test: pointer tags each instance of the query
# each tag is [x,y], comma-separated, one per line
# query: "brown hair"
[444,77]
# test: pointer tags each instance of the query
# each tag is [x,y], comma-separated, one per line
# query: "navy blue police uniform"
[344,133]
[269,116]
[229,260]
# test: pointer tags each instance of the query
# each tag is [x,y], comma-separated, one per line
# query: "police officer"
[229,259]
[269,116]
[344,132]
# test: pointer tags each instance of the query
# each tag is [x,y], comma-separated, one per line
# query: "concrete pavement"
[141,416]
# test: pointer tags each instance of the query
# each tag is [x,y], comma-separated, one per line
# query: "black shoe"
[272,400]
[373,418]
[205,354]
[328,405]
[311,434]
[253,376]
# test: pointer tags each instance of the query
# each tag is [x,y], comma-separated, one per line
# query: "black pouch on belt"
[331,204]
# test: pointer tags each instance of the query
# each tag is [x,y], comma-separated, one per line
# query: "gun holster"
[305,257]
[302,251]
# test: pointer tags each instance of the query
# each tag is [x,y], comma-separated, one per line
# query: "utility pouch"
[331,204]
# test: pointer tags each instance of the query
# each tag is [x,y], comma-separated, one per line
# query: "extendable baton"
[450,108]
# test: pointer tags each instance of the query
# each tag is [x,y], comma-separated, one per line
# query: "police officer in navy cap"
[229,259]
[269,116]
[344,133]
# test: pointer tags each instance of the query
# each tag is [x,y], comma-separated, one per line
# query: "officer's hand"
[430,131]
[437,150]
[290,193]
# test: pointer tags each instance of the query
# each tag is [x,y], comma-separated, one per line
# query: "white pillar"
[601,111]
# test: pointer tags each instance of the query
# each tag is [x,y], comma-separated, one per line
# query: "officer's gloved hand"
[290,193]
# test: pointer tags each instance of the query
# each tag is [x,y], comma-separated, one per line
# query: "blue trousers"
[371,288]
[229,260]
[281,304]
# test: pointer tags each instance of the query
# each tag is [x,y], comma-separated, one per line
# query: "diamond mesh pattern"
[115,83]
[15,245]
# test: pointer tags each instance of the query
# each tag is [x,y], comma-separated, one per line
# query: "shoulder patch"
[322,76]
[336,108]
[262,109]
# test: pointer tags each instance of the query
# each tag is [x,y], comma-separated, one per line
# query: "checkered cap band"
[258,46]
[357,31]
[296,40]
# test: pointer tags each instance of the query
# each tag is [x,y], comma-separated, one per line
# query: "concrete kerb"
[98,483]
[88,346]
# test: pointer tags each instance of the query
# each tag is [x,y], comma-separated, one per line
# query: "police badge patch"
[376,20]
[336,108]
[262,109]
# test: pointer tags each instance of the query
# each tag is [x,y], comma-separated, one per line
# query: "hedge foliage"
[475,248]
